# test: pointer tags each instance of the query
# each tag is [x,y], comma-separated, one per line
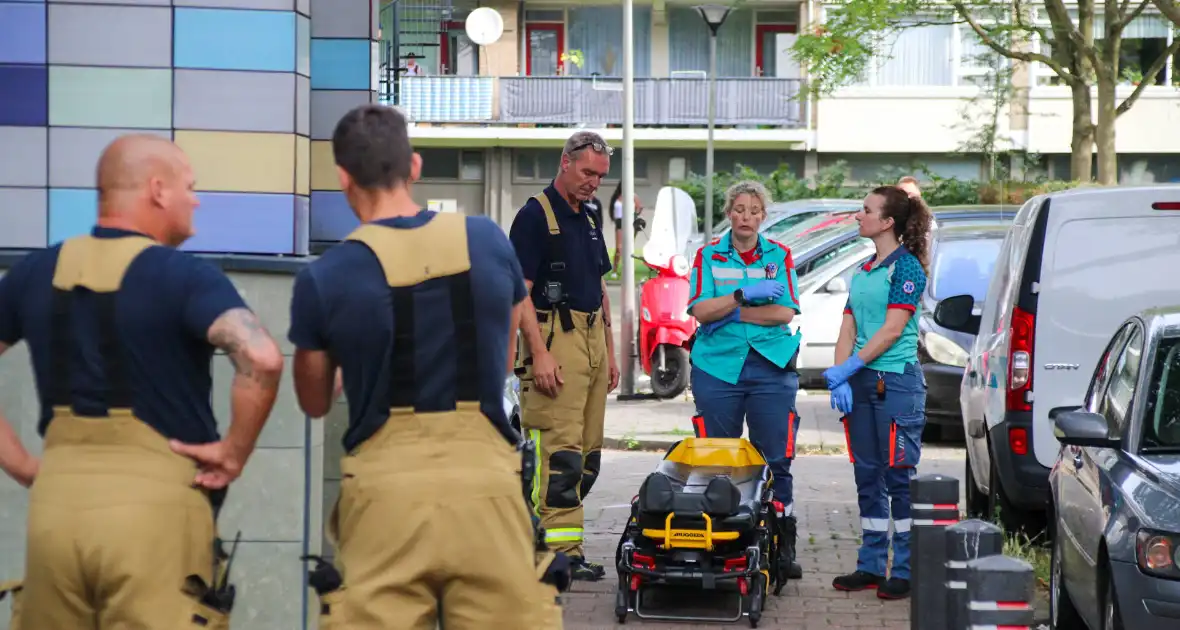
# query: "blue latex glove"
[711,327]
[764,290]
[842,398]
[838,374]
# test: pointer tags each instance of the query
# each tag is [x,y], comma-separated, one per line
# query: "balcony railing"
[599,101]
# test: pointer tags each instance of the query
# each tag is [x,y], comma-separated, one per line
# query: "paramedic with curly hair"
[878,384]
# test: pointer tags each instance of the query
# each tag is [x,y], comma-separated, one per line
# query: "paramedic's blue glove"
[764,290]
[842,398]
[841,373]
[711,327]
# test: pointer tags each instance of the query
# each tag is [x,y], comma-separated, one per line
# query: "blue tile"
[217,39]
[72,212]
[341,64]
[244,223]
[331,217]
[22,33]
[24,96]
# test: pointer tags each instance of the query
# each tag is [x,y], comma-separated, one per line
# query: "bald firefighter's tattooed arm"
[14,459]
[258,364]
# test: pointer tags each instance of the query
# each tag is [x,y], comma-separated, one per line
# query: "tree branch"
[1127,19]
[1170,9]
[1027,57]
[1148,77]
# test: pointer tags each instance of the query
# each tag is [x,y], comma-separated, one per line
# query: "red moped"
[665,327]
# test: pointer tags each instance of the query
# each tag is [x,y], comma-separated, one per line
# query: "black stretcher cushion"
[731,496]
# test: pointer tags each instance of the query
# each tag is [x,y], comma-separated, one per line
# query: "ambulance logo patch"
[908,287]
[771,270]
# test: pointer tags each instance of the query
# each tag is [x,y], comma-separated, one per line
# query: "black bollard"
[999,593]
[934,505]
[965,542]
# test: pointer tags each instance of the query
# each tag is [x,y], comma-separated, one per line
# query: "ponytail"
[912,221]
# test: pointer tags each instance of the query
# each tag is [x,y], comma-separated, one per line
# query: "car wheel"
[1062,614]
[1111,619]
[976,501]
[1011,518]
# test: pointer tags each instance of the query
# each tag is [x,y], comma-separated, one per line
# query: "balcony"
[561,101]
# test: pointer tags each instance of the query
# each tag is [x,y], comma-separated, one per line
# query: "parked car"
[781,216]
[1116,485]
[822,294]
[1073,263]
[962,256]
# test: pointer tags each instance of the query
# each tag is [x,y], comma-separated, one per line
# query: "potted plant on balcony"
[574,57]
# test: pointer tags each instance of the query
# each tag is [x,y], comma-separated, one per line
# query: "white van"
[1074,266]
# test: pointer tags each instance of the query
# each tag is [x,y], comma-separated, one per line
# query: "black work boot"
[894,588]
[580,569]
[788,541]
[858,581]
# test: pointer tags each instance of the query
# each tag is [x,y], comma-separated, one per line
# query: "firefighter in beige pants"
[567,363]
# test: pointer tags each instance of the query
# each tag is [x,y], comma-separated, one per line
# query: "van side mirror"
[957,314]
[1083,428]
[836,285]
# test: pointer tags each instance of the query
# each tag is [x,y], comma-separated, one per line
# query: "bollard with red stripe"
[965,542]
[934,505]
[999,594]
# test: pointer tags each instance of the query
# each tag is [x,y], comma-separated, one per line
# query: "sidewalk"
[657,424]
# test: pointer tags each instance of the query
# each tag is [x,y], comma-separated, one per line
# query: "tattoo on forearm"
[242,336]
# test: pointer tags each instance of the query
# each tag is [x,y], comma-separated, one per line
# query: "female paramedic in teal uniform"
[743,294]
[878,385]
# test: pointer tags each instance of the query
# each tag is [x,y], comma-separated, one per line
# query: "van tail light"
[1020,360]
[1018,440]
[1166,205]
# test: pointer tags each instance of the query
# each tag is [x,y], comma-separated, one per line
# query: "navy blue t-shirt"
[584,251]
[341,303]
[163,311]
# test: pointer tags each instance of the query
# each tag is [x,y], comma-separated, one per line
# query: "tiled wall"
[228,80]
[342,77]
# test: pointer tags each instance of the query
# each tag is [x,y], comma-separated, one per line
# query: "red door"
[546,43]
[764,38]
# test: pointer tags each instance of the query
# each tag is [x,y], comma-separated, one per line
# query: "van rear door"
[1108,255]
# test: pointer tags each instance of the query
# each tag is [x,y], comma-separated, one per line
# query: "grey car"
[1116,486]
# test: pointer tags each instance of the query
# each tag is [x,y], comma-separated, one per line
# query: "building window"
[471,165]
[451,164]
[541,164]
[774,36]
[544,41]
[913,56]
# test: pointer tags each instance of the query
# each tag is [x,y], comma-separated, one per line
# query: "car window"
[828,256]
[1116,403]
[1161,411]
[1105,367]
[782,224]
[964,267]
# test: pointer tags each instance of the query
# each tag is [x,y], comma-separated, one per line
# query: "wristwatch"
[740,297]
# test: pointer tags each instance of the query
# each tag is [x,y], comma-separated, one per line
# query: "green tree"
[853,34]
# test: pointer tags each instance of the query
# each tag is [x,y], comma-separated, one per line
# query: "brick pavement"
[828,539]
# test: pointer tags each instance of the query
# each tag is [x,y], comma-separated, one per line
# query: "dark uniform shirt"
[584,251]
[342,303]
[165,306]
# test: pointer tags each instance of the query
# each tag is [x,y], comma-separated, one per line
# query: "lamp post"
[627,364]
[714,16]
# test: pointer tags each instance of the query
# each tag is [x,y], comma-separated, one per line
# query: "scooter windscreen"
[671,226]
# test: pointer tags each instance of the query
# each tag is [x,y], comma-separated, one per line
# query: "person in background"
[742,290]
[413,68]
[909,184]
[616,204]
[877,383]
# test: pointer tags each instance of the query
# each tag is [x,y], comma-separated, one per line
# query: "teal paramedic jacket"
[898,282]
[719,270]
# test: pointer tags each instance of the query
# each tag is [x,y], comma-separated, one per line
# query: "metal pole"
[627,363]
[709,146]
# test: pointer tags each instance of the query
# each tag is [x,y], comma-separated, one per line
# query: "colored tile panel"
[323,167]
[241,162]
[303,45]
[216,39]
[143,3]
[329,106]
[24,214]
[22,32]
[334,19]
[244,224]
[261,5]
[74,151]
[72,212]
[110,97]
[302,165]
[302,105]
[24,157]
[125,36]
[302,212]
[341,64]
[331,217]
[220,100]
[23,96]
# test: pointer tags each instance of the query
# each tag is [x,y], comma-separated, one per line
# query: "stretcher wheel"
[621,614]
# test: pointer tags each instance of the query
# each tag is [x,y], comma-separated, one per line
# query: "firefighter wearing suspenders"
[122,328]
[415,308]
[567,365]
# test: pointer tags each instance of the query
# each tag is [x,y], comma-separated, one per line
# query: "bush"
[831,183]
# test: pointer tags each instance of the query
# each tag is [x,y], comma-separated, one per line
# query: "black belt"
[591,318]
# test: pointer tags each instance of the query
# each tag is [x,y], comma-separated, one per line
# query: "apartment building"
[489,121]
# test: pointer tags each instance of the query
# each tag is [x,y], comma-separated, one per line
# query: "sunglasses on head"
[599,147]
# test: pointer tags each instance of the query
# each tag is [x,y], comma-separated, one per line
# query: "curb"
[637,444]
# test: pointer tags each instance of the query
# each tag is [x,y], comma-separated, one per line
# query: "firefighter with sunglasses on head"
[877,383]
